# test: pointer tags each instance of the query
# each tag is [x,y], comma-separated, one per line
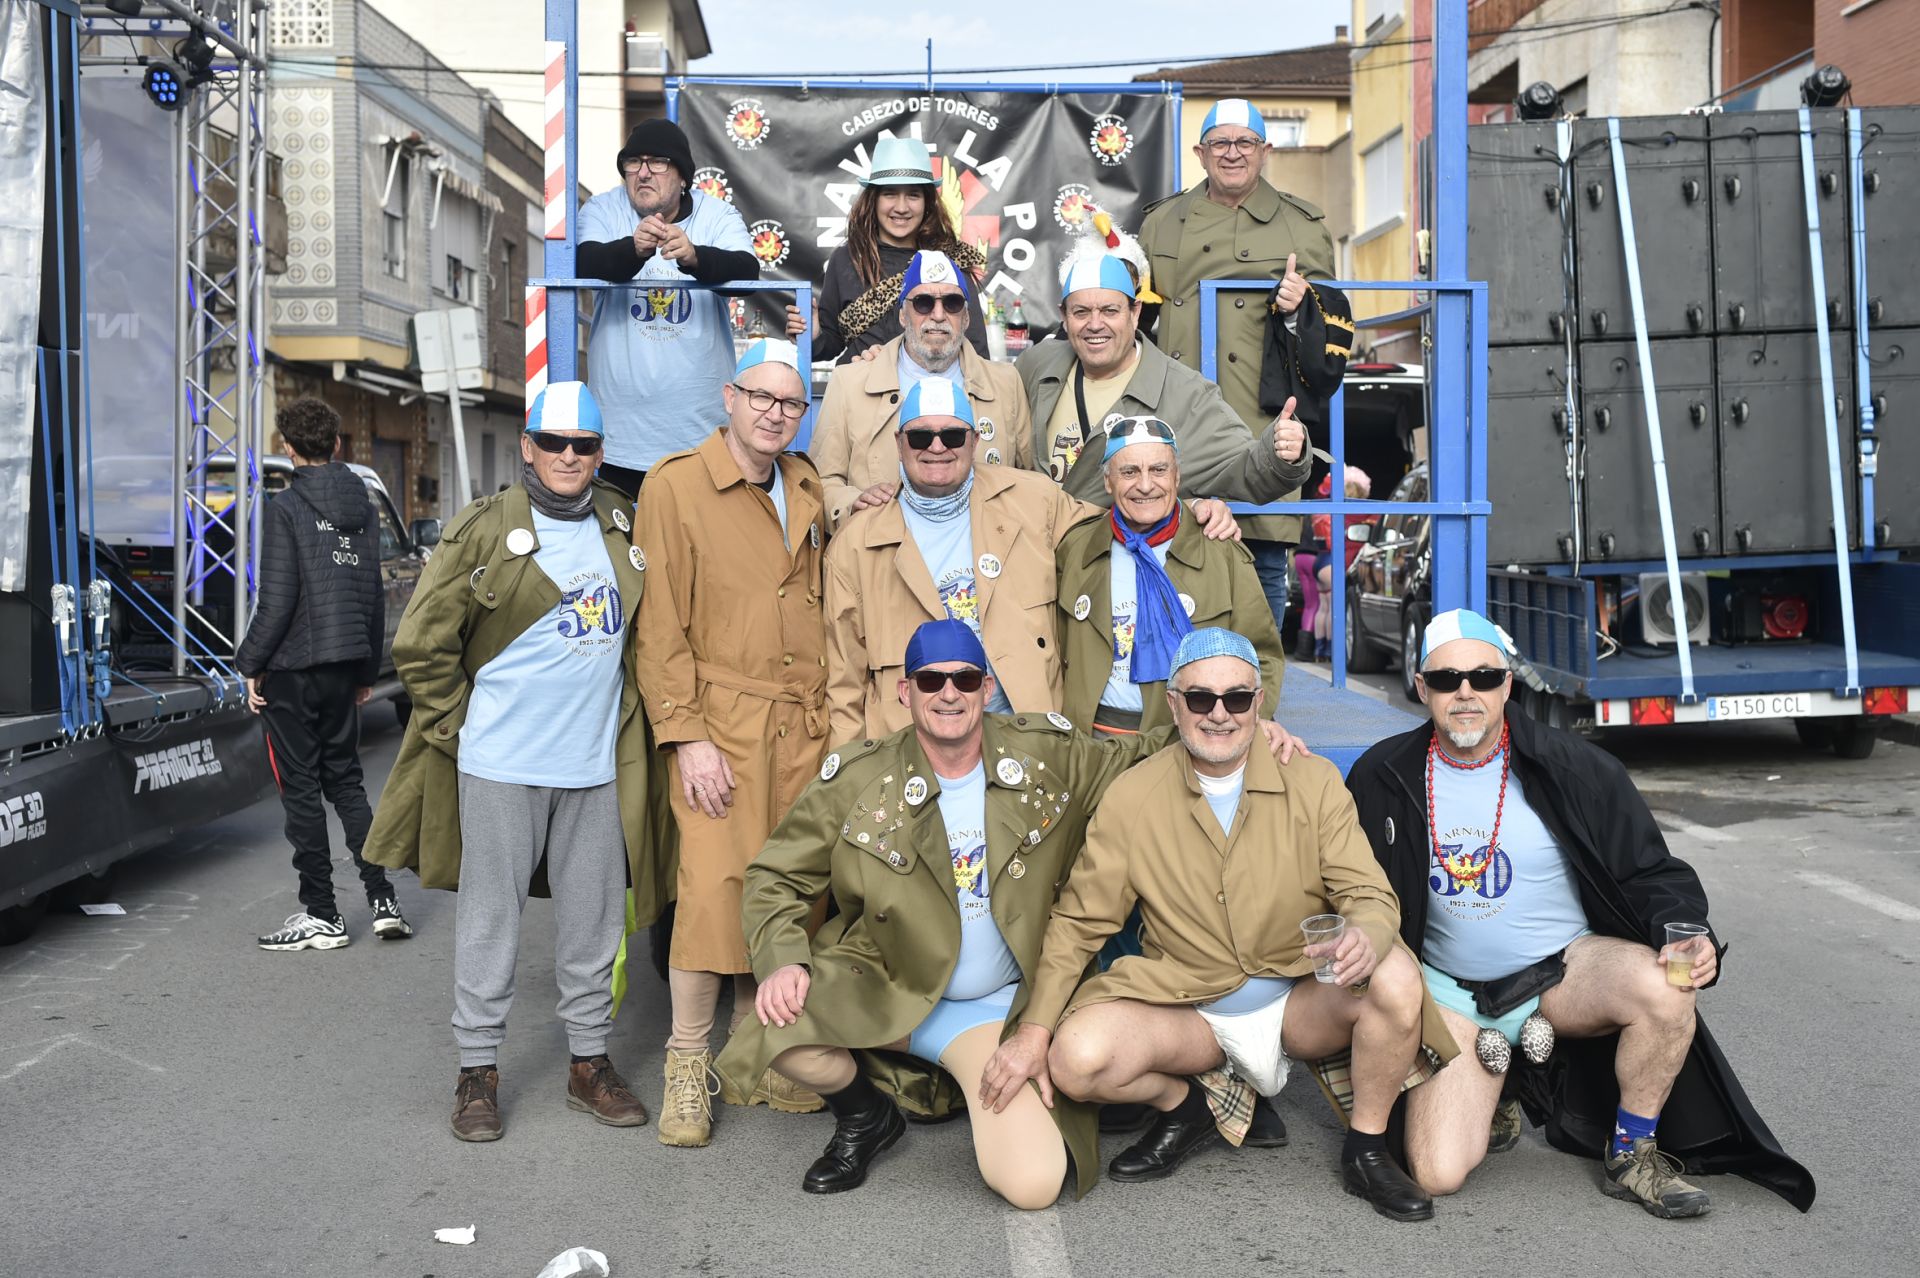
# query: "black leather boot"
[1173,1138]
[1267,1130]
[1373,1175]
[864,1124]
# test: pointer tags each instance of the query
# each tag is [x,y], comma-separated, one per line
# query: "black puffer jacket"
[320,600]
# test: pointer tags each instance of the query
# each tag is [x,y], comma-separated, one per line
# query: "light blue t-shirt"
[985,963]
[911,374]
[1123,576]
[947,550]
[657,358]
[546,710]
[1525,907]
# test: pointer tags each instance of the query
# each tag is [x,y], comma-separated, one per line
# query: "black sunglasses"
[548,442]
[1483,679]
[925,302]
[1200,701]
[954,437]
[931,681]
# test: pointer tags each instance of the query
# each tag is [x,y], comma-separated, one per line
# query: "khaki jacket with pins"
[880,590]
[1216,908]
[853,442]
[732,651]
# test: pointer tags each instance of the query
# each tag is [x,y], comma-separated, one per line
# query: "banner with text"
[1021,173]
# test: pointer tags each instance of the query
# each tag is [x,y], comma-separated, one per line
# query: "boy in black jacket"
[310,658]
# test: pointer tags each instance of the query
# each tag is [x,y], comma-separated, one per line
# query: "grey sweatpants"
[504,829]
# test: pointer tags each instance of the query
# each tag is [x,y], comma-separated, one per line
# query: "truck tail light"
[1651,710]
[1885,701]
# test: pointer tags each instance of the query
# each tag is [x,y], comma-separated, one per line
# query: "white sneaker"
[304,932]
[388,924]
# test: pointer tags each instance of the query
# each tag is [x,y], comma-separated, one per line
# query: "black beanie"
[662,138]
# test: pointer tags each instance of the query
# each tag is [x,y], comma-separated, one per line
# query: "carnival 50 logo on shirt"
[590,616]
[172,766]
[661,309]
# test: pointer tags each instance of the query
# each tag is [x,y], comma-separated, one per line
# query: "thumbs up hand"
[1293,287]
[1289,436]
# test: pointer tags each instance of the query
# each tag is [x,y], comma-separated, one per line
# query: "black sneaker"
[388,925]
[304,932]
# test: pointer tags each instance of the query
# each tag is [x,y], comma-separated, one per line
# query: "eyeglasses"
[1484,679]
[548,442]
[932,681]
[953,437]
[650,164]
[761,402]
[925,302]
[1227,146]
[1200,701]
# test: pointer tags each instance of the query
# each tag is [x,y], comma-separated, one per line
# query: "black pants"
[626,479]
[313,742]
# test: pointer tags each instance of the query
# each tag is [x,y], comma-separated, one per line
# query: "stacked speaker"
[1720,225]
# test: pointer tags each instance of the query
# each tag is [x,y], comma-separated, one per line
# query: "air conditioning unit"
[1658,616]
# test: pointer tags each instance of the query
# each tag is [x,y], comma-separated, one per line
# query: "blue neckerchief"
[1159,620]
[935,509]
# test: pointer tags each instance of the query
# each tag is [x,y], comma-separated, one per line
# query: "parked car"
[1389,596]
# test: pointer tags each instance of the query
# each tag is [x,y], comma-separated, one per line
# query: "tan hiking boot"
[686,1108]
[597,1088]
[1652,1179]
[778,1092]
[1507,1126]
[476,1105]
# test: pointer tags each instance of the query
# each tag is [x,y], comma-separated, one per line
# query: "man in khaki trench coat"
[853,437]
[524,611]
[1105,367]
[733,668]
[1099,595]
[1227,854]
[1234,224]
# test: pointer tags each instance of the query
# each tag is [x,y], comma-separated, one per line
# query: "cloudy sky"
[844,37]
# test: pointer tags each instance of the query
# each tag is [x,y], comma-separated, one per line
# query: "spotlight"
[196,55]
[125,8]
[1826,87]
[166,84]
[1538,101]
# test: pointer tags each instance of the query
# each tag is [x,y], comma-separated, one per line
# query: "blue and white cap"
[566,406]
[1234,111]
[1212,641]
[1104,271]
[770,350]
[1463,623]
[935,397]
[930,266]
[1123,432]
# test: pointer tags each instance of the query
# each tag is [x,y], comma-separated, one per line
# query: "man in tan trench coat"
[733,668]
[853,438]
[526,742]
[1227,854]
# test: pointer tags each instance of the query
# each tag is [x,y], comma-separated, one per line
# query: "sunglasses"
[1484,679]
[1200,701]
[925,302]
[954,437]
[582,445]
[932,681]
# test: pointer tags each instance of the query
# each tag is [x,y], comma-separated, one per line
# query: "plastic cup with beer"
[1323,930]
[1680,955]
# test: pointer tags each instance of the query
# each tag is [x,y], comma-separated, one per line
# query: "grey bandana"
[552,504]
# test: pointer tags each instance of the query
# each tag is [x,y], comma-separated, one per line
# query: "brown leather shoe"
[596,1087]
[476,1105]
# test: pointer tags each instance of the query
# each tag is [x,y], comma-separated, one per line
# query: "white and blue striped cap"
[769,350]
[1234,111]
[1104,271]
[935,397]
[566,406]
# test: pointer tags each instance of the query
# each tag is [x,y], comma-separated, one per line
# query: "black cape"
[1631,886]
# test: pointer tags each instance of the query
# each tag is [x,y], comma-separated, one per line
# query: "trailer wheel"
[1814,734]
[18,922]
[1413,630]
[1854,737]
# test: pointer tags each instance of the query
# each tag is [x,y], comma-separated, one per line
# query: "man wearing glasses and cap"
[943,845]
[1234,224]
[658,356]
[734,675]
[1226,852]
[853,440]
[526,743]
[969,542]
[1538,892]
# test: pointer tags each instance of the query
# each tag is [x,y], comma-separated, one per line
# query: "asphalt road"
[174,1101]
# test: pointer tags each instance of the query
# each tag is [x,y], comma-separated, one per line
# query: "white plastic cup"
[1323,929]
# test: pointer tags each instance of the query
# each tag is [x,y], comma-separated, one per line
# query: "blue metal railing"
[1456,445]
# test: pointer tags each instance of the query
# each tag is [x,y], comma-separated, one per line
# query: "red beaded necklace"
[1463,869]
